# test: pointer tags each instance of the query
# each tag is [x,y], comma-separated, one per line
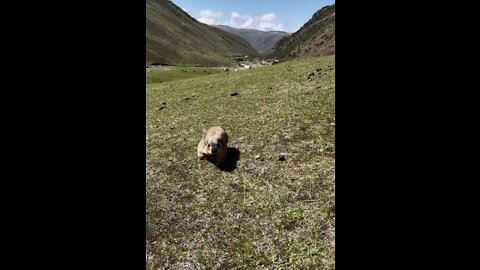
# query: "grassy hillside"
[174,37]
[315,38]
[273,205]
[262,41]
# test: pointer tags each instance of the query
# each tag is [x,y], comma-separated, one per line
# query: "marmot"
[213,145]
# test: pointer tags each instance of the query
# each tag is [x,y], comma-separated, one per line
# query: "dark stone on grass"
[233,94]
[281,157]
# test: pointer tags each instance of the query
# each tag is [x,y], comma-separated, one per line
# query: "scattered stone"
[311,73]
[296,114]
[257,156]
[236,187]
[161,108]
[233,94]
[210,86]
[318,69]
[187,98]
[309,79]
[270,88]
[281,157]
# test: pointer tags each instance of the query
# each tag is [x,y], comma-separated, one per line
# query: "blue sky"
[266,15]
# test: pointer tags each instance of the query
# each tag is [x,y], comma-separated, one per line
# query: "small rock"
[257,156]
[210,86]
[281,157]
[309,79]
[187,98]
[163,103]
[311,74]
[318,69]
[161,108]
[233,94]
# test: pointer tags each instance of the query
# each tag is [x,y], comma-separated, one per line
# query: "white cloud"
[248,23]
[209,16]
[264,22]
[269,17]
[267,22]
[237,20]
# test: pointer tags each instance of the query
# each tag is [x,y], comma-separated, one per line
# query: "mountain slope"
[315,38]
[262,41]
[174,37]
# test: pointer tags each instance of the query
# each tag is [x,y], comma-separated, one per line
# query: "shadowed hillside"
[174,37]
[262,41]
[315,38]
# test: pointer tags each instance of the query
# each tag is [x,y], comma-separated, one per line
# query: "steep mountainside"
[315,38]
[262,41]
[174,37]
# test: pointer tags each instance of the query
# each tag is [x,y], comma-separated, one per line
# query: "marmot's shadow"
[230,164]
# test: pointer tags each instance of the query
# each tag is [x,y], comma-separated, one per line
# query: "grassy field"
[273,206]
[172,73]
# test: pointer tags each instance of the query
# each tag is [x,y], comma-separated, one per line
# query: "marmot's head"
[213,145]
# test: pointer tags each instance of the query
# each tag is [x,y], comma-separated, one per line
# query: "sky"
[265,15]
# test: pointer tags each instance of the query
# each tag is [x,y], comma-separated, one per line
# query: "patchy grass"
[173,73]
[261,213]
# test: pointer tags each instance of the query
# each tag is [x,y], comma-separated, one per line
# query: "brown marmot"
[213,145]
